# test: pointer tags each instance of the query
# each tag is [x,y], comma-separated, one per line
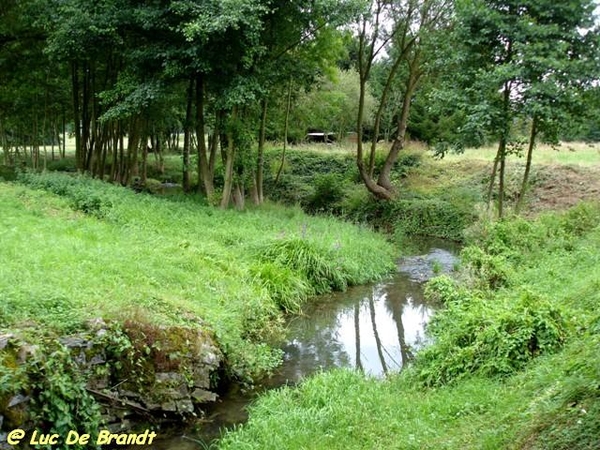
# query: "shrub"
[86,195]
[493,339]
[489,271]
[444,289]
[329,190]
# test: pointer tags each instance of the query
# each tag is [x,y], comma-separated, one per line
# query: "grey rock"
[202,396]
[169,406]
[201,377]
[185,406]
[170,378]
[17,400]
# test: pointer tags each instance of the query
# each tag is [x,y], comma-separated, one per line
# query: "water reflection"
[375,329]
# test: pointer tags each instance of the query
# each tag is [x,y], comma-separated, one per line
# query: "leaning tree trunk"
[384,179]
[285,131]
[525,183]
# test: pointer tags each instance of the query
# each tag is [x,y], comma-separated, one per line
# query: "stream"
[375,328]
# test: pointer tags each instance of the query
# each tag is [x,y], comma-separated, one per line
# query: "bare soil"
[559,187]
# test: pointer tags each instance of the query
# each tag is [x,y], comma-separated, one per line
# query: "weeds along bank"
[155,287]
[513,363]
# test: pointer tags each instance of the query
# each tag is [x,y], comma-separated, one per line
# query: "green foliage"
[319,268]
[328,193]
[499,338]
[84,194]
[510,368]
[444,290]
[568,414]
[489,270]
[60,400]
[284,286]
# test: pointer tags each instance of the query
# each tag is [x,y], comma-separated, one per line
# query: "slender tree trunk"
[239,196]
[502,145]
[144,175]
[285,131]
[64,134]
[493,177]
[502,173]
[204,174]
[373,187]
[187,134]
[77,117]
[229,159]
[133,145]
[525,183]
[260,160]
[214,142]
[114,170]
[384,179]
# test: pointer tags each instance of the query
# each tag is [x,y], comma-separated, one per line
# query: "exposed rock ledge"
[133,370]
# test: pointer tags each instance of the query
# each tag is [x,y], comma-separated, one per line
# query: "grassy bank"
[74,249]
[514,364]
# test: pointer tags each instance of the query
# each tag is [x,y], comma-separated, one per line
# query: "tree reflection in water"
[371,328]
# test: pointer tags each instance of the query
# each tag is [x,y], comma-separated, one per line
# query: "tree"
[403,30]
[527,59]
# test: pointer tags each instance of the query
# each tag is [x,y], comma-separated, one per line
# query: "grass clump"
[317,267]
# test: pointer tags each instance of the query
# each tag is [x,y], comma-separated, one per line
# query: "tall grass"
[75,249]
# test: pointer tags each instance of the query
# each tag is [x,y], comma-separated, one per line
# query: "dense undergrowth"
[74,249]
[514,363]
[322,182]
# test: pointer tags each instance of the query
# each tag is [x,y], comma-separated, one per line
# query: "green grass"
[98,250]
[573,153]
[550,401]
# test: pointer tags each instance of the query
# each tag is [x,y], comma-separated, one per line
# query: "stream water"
[375,328]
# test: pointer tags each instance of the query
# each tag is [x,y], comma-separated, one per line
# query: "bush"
[474,336]
[444,290]
[329,191]
[489,271]
[86,195]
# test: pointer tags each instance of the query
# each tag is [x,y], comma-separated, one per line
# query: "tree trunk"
[384,179]
[204,175]
[229,159]
[77,116]
[493,177]
[525,183]
[187,133]
[502,145]
[502,148]
[285,131]
[260,159]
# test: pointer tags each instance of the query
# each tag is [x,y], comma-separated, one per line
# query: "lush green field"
[576,153]
[96,250]
[514,364]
